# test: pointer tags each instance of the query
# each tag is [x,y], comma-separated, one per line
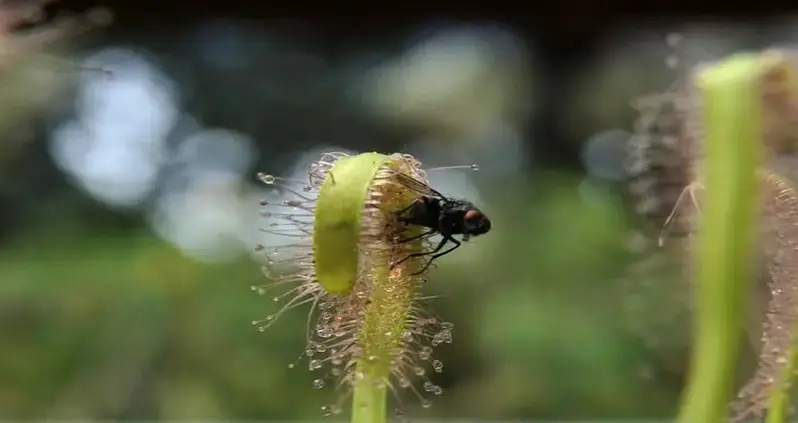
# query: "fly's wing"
[417,186]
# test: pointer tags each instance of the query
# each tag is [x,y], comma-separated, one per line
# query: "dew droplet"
[314,364]
[267,179]
[425,403]
[326,410]
[318,384]
[425,353]
[437,365]
[428,386]
[291,366]
[418,370]
[474,166]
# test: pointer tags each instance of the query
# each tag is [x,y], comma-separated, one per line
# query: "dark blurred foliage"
[110,309]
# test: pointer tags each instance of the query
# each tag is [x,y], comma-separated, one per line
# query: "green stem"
[370,398]
[732,124]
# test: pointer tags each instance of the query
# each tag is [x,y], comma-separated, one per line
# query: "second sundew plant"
[729,133]
[368,335]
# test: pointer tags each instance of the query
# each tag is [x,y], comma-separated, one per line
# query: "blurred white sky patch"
[603,154]
[114,147]
[206,221]
[454,81]
[203,209]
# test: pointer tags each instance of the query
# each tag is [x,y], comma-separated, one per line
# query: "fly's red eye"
[472,215]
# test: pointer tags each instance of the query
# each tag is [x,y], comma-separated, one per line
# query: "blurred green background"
[128,207]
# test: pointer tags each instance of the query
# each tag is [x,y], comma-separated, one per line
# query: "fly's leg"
[446,238]
[421,235]
[688,191]
[441,254]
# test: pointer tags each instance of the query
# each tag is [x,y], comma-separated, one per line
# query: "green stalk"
[370,396]
[733,130]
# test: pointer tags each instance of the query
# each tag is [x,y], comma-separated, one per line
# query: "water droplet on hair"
[267,179]
[437,365]
[291,366]
[314,364]
[326,410]
[418,370]
[425,353]
[428,386]
[474,167]
[437,391]
[276,299]
[324,332]
[426,403]
[318,384]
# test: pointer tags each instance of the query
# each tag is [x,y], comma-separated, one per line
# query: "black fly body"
[442,216]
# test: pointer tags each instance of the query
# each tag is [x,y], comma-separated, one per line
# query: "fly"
[440,215]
